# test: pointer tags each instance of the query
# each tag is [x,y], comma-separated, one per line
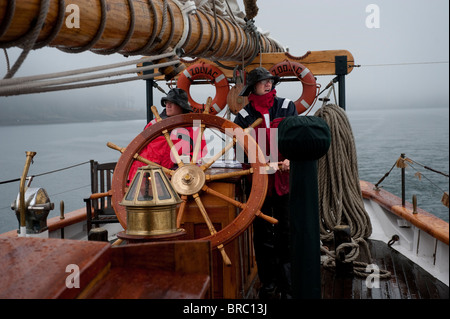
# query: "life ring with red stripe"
[309,94]
[207,72]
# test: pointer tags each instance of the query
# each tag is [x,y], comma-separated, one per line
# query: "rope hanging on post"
[340,197]
[339,190]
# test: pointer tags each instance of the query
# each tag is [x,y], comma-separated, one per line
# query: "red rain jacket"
[158,150]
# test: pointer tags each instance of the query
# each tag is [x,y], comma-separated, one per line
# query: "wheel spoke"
[205,166]
[168,140]
[140,158]
[181,210]
[208,105]
[215,177]
[229,146]
[198,142]
[211,228]
[240,205]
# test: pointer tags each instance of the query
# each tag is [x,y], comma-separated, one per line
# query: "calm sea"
[380,136]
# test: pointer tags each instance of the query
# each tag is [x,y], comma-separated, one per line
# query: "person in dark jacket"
[271,242]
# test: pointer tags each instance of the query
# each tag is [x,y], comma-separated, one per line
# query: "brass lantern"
[151,204]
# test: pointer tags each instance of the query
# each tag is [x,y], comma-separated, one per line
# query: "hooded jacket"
[280,109]
[158,150]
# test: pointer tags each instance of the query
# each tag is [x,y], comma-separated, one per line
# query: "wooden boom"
[130,27]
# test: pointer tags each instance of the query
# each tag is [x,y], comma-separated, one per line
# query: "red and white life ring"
[308,80]
[207,72]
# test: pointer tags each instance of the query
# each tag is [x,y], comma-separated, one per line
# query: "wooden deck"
[408,281]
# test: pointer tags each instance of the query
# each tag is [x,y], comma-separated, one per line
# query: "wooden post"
[341,71]
[341,236]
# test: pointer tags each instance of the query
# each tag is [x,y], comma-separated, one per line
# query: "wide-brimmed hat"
[179,97]
[256,75]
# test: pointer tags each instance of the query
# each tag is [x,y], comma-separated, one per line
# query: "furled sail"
[213,29]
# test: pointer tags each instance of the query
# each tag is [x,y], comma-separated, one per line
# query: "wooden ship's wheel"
[200,174]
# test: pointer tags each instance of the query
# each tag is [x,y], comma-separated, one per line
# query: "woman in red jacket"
[271,242]
[158,150]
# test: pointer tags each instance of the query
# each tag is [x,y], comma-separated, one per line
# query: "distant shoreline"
[65,121]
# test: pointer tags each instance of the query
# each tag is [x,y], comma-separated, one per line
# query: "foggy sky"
[410,32]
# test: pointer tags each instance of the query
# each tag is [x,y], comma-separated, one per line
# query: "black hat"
[179,97]
[256,75]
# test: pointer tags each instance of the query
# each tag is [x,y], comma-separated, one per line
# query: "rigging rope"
[406,63]
[46,173]
[54,81]
[403,162]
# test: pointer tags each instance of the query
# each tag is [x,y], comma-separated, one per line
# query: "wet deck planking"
[408,280]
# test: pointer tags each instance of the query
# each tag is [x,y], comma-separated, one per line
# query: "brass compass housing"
[151,203]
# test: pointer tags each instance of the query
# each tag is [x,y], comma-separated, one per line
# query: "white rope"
[187,8]
[83,70]
[16,89]
[87,84]
[55,81]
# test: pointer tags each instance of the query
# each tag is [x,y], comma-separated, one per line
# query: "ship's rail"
[417,234]
[423,220]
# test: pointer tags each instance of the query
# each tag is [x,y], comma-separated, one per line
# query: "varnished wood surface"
[318,62]
[36,267]
[169,270]
[139,283]
[229,282]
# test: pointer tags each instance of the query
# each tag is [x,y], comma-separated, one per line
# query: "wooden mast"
[104,27]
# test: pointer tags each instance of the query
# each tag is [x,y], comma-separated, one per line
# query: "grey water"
[380,137]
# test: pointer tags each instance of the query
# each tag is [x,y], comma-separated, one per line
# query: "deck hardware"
[403,180]
[414,201]
[393,240]
[61,216]
[342,235]
[61,210]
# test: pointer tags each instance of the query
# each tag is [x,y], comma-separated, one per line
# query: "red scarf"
[262,103]
[278,182]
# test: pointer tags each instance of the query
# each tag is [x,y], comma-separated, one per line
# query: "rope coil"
[339,190]
[340,194]
[361,269]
